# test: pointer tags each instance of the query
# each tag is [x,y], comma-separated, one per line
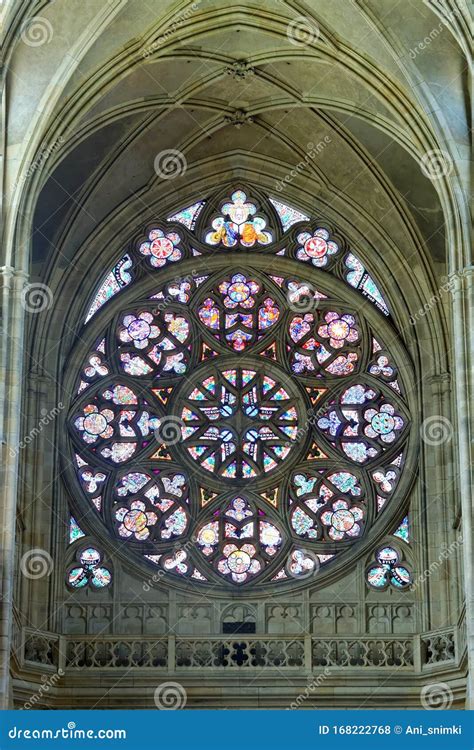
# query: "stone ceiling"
[241,92]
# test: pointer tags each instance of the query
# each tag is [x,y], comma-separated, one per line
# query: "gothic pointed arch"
[241,413]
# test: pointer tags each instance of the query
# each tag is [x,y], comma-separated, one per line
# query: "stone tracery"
[218,377]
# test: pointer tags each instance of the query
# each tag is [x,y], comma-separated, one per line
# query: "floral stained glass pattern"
[239,541]
[324,341]
[362,424]
[239,223]
[241,425]
[316,248]
[153,507]
[239,311]
[327,506]
[96,367]
[161,247]
[116,423]
[155,345]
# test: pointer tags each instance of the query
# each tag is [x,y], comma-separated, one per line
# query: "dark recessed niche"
[238,627]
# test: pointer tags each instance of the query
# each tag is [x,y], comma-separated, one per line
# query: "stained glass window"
[357,276]
[237,421]
[188,216]
[388,570]
[239,223]
[287,215]
[88,570]
[403,530]
[114,282]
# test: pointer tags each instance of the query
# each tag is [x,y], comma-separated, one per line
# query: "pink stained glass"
[241,426]
[161,247]
[239,311]
[316,248]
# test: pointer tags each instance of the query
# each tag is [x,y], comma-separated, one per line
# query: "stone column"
[11,372]
[440,506]
[462,288]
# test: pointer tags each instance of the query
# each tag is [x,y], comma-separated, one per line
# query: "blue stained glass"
[304,484]
[241,426]
[188,216]
[78,578]
[377,577]
[75,532]
[403,531]
[114,282]
[101,578]
[357,451]
[361,280]
[247,376]
[345,482]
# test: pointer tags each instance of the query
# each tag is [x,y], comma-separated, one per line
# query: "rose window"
[237,419]
[239,423]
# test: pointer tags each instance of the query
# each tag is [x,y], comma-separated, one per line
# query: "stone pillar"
[440,503]
[462,288]
[41,524]
[11,372]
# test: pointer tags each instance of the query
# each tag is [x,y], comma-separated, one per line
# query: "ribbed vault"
[353,111]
